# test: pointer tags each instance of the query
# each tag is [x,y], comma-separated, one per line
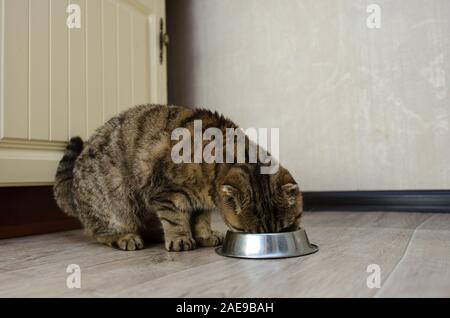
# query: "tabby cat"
[123,179]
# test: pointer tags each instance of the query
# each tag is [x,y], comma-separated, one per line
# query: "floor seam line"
[418,227]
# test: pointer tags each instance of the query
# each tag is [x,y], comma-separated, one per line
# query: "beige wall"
[357,108]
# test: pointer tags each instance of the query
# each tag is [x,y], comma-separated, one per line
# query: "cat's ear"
[231,197]
[291,193]
[285,177]
[234,190]
[228,190]
[289,188]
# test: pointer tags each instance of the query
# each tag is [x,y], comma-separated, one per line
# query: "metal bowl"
[266,245]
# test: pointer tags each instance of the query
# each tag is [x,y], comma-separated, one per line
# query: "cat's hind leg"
[109,217]
[110,230]
[125,242]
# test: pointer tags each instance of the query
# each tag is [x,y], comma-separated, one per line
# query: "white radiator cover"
[58,82]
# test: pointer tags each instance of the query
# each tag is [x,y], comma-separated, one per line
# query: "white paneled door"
[67,66]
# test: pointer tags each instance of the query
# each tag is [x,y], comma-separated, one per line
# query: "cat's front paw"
[214,238]
[180,243]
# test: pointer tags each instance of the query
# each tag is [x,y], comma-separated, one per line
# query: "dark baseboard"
[32,210]
[396,201]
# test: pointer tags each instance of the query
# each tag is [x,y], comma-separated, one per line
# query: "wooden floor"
[412,250]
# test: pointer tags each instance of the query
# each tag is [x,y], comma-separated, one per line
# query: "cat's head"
[260,203]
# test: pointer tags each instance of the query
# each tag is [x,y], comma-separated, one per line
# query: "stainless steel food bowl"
[266,245]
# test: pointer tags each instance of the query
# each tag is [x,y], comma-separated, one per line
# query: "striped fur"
[124,185]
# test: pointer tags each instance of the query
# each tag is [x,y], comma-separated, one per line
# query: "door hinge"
[163,40]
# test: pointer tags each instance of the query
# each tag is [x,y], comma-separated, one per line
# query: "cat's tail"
[62,189]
